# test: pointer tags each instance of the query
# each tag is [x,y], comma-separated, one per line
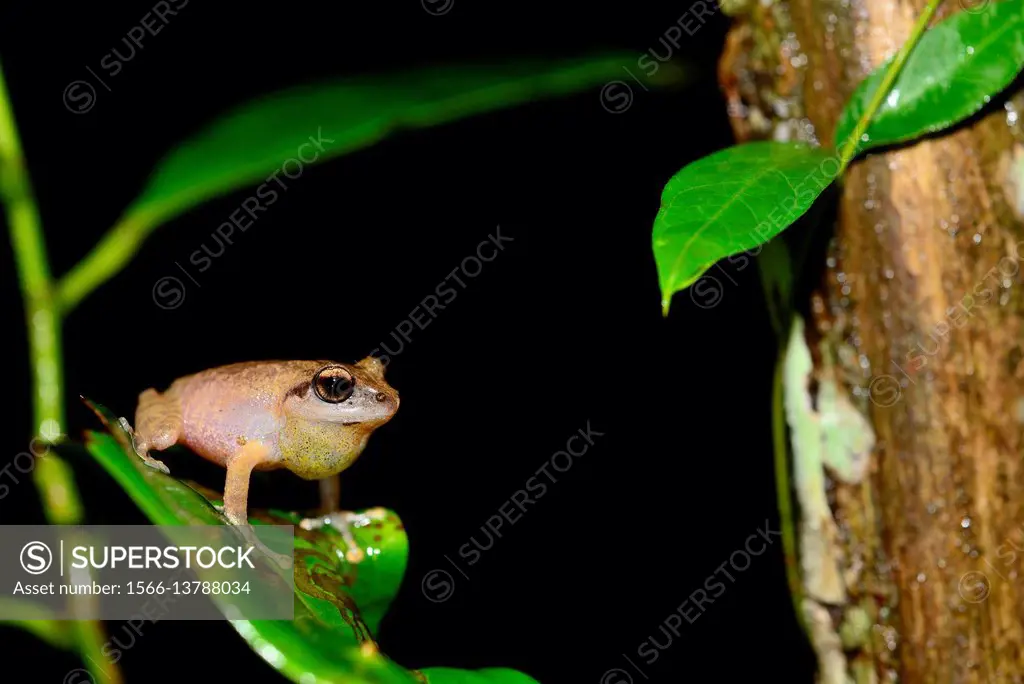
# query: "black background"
[563,328]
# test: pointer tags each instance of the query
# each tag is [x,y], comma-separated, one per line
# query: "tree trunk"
[919,302]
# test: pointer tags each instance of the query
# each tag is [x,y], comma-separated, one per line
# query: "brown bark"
[922,284]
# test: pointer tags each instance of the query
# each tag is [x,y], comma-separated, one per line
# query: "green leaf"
[731,202]
[956,68]
[248,145]
[338,603]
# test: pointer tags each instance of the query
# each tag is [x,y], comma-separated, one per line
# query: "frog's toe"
[317,522]
[155,464]
[376,513]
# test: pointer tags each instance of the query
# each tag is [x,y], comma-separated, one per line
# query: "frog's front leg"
[236,485]
[343,521]
[236,495]
[330,494]
[331,514]
[158,426]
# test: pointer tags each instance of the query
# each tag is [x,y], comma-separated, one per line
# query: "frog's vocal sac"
[312,417]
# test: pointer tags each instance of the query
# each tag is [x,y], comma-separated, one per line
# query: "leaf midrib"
[982,45]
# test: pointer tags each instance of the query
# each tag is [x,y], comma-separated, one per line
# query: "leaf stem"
[849,150]
[109,256]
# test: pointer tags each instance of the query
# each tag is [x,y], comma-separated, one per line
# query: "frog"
[313,418]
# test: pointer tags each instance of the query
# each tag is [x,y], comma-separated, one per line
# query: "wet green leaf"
[244,146]
[731,202]
[956,68]
[338,603]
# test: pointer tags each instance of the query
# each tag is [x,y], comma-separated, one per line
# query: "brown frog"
[312,417]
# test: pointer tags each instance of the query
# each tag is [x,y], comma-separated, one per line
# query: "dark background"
[564,327]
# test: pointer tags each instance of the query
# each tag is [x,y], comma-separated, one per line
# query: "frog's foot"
[154,463]
[249,534]
[141,450]
[343,521]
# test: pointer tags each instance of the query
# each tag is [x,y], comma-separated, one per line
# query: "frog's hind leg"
[157,426]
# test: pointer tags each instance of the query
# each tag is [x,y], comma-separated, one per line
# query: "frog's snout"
[388,401]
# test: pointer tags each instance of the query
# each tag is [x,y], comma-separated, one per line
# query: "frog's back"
[256,378]
[225,407]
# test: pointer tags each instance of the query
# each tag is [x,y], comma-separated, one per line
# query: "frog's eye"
[333,384]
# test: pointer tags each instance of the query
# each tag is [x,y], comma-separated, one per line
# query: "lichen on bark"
[918,302]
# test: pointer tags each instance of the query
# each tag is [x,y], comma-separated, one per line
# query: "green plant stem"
[784,493]
[52,476]
[109,256]
[849,149]
[850,146]
[41,315]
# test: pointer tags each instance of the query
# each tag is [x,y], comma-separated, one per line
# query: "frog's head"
[350,395]
[331,413]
